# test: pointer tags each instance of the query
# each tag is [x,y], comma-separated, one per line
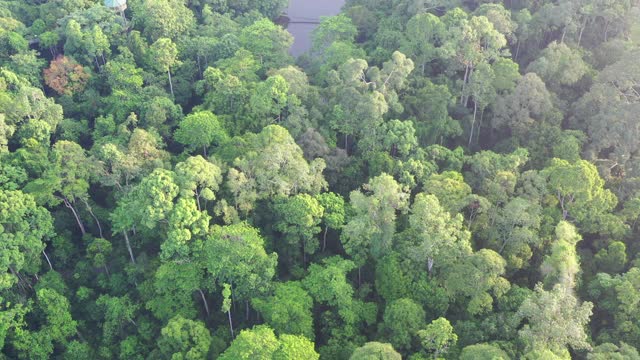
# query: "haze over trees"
[431,180]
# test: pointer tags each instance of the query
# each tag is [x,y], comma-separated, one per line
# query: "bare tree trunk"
[246,309]
[230,323]
[324,238]
[464,84]
[80,336]
[473,124]
[86,204]
[75,214]
[170,83]
[304,254]
[565,213]
[46,257]
[504,244]
[584,25]
[198,200]
[204,301]
[126,239]
[126,24]
[479,127]
[466,97]
[21,281]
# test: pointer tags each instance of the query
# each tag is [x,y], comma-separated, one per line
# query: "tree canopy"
[344,179]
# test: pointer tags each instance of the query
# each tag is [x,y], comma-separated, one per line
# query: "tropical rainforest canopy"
[433,179]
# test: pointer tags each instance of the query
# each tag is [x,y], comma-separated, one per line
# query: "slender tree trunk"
[473,124]
[170,83]
[21,280]
[46,257]
[204,301]
[80,336]
[233,298]
[86,204]
[68,204]
[565,213]
[304,254]
[464,84]
[126,239]
[246,309]
[479,127]
[230,323]
[198,200]
[466,97]
[584,25]
[324,238]
[505,241]
[517,51]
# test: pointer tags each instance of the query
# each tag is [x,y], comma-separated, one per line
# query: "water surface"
[300,11]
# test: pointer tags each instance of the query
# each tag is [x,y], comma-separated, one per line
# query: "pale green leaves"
[435,237]
[438,337]
[184,339]
[23,228]
[164,53]
[235,255]
[260,343]
[370,232]
[555,320]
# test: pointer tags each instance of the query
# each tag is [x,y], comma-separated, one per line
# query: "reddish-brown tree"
[65,76]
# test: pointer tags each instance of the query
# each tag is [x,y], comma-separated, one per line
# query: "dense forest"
[433,179]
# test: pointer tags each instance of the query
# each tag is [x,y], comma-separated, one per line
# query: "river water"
[308,11]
